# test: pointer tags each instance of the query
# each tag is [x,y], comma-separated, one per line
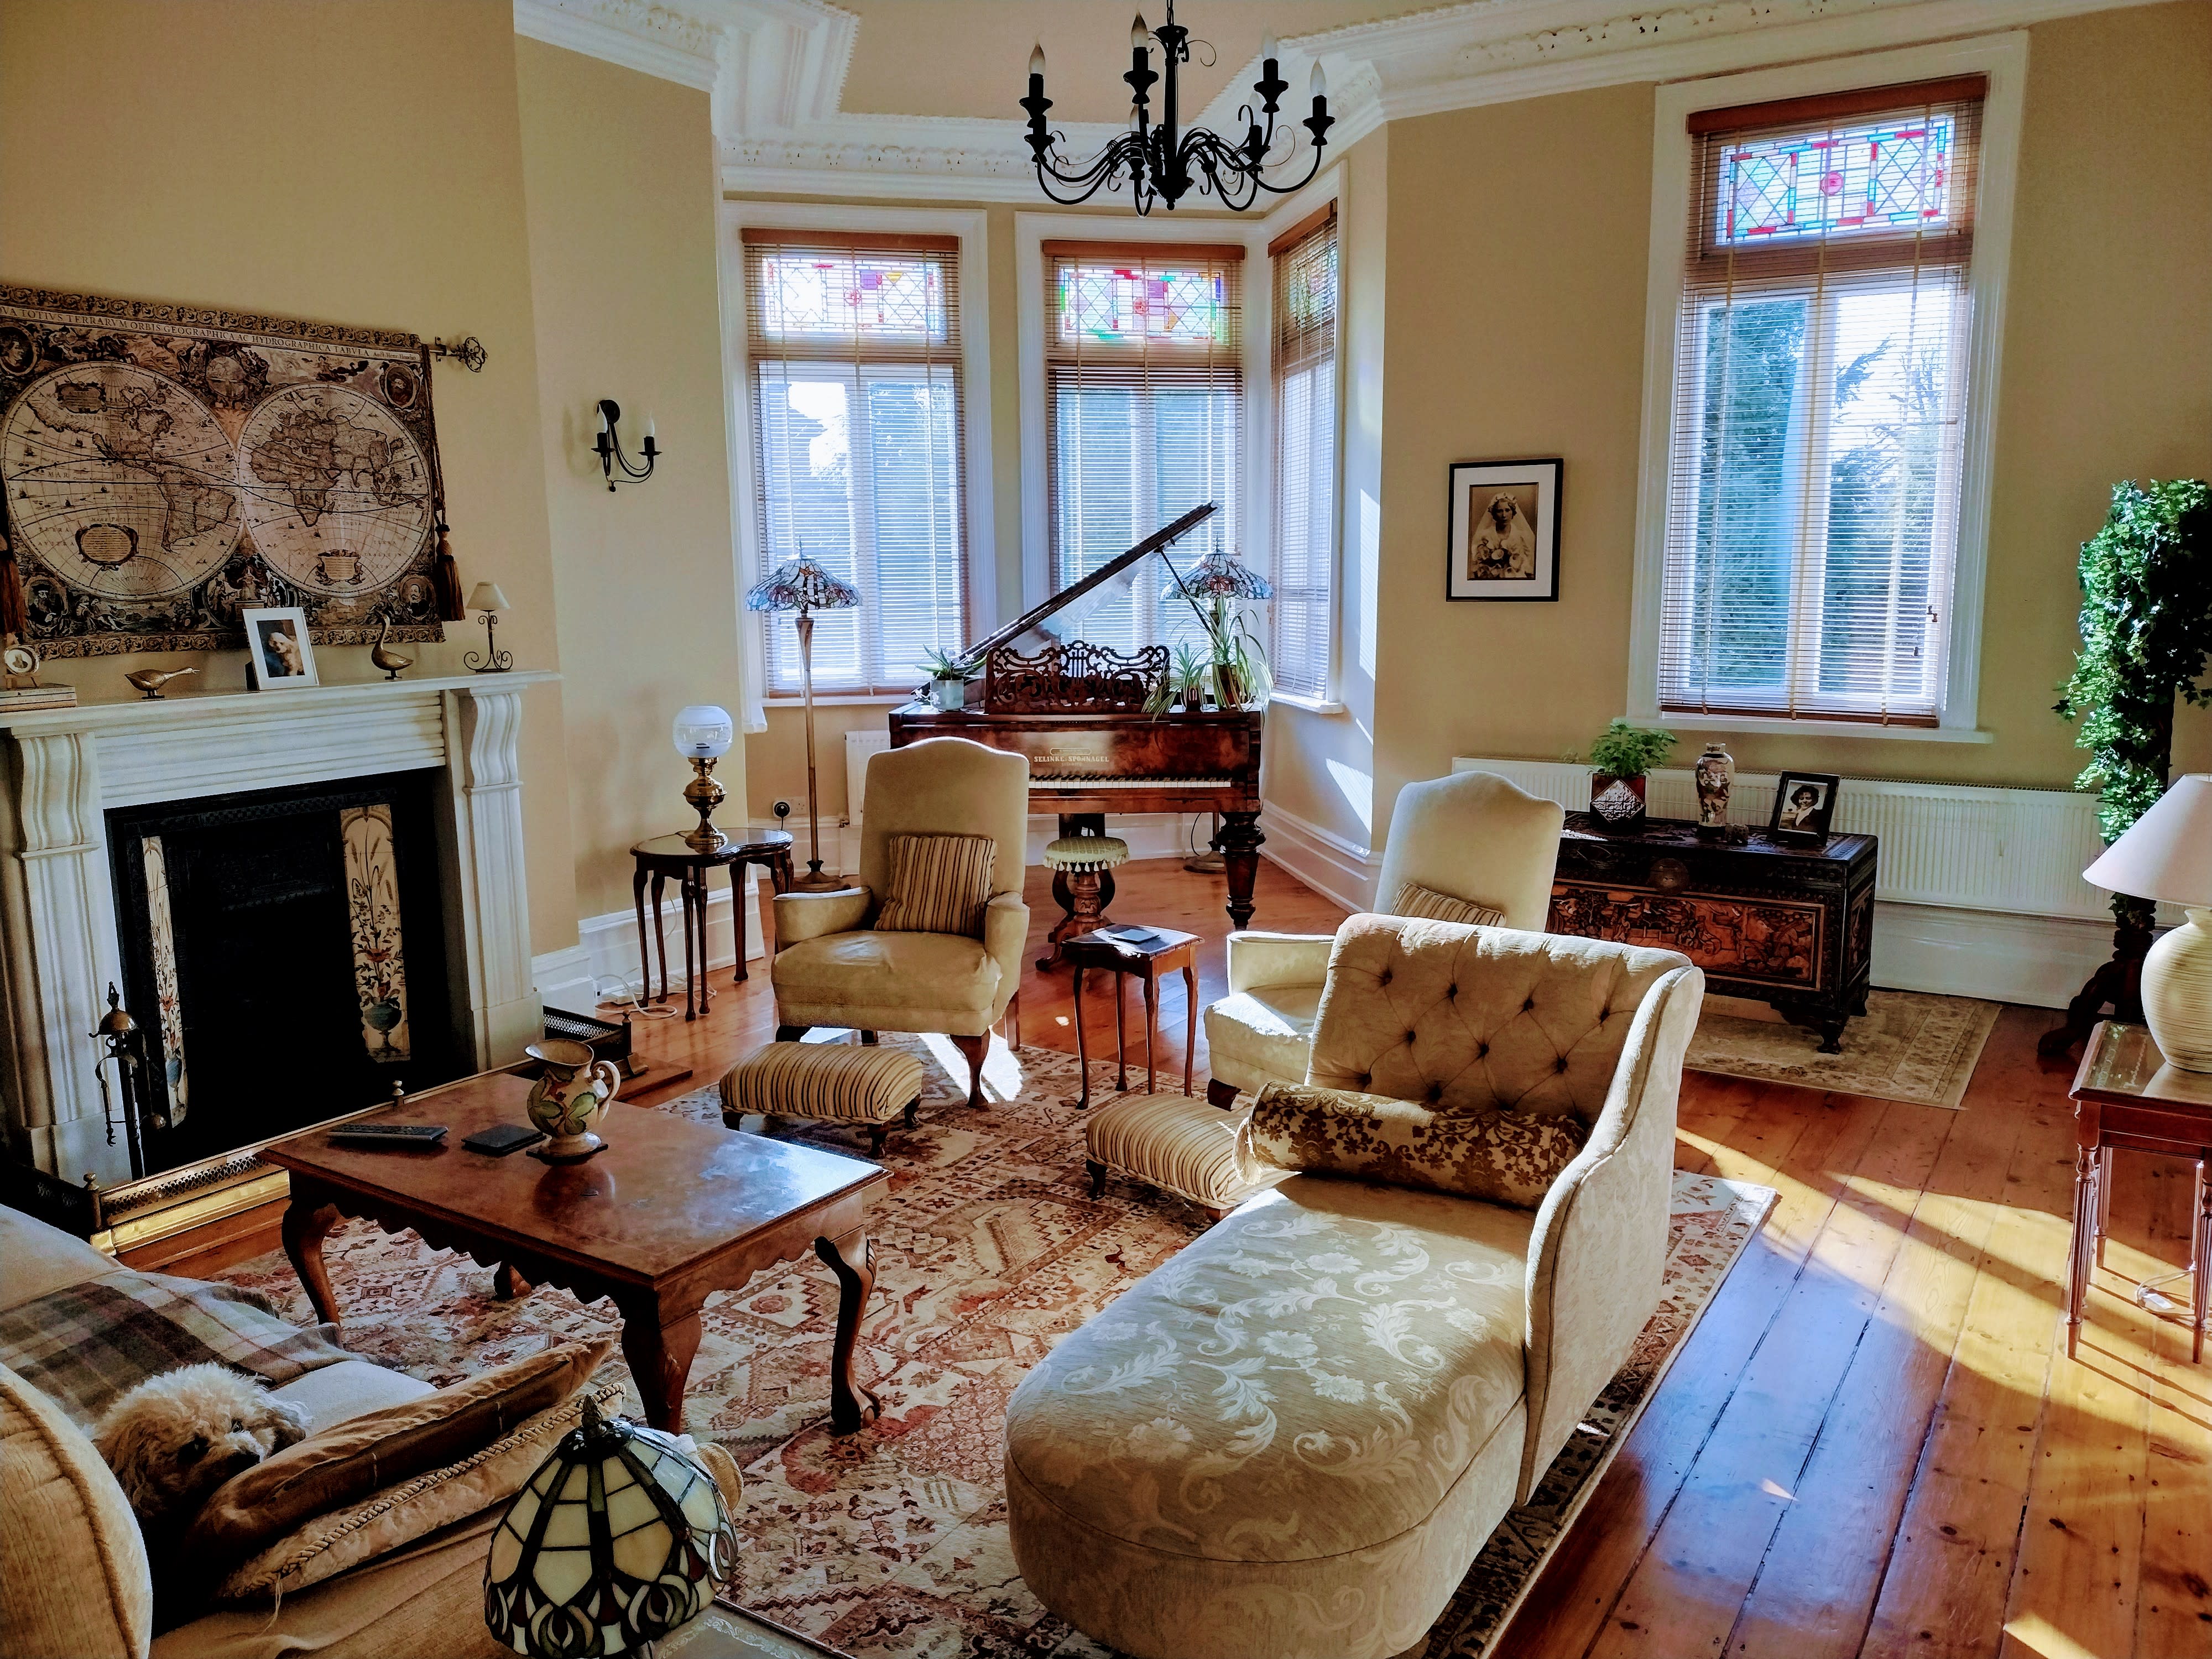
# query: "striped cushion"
[833,1081]
[1415,900]
[1180,1144]
[938,884]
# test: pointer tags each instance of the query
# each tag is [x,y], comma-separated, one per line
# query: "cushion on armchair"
[1475,1152]
[1428,904]
[939,885]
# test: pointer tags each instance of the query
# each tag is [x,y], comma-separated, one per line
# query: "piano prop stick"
[1077,711]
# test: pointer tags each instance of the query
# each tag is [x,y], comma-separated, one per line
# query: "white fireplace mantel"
[67,767]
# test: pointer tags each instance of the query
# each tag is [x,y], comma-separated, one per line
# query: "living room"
[971,593]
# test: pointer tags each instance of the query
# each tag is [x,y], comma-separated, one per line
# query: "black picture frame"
[1521,554]
[1799,823]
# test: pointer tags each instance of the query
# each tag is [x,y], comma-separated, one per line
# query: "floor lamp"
[803,587]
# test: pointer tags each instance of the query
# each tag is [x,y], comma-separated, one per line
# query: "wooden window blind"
[1816,452]
[1303,364]
[854,345]
[1144,399]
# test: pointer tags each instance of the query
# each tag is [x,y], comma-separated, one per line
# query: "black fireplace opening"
[284,956]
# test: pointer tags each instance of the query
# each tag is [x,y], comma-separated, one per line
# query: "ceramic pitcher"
[569,1095]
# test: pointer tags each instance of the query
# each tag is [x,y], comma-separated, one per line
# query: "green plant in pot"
[1620,757]
[1216,590]
[948,678]
[1184,682]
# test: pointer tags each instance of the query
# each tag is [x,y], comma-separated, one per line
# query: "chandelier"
[1162,163]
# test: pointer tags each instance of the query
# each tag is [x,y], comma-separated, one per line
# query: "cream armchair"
[1472,836]
[833,967]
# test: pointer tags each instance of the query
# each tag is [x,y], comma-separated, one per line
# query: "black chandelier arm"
[1212,153]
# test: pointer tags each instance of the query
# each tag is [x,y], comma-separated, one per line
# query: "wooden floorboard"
[1873,1442]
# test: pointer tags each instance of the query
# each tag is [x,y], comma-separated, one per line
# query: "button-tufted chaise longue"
[1293,1438]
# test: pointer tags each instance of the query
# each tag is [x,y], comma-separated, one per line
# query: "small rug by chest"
[1907,1046]
[891,1543]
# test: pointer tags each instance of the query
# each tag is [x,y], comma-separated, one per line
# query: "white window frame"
[2003,59]
[970,227]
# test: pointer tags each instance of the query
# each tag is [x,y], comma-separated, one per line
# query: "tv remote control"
[389,1135]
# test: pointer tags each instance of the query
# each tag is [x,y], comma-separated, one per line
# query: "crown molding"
[775,70]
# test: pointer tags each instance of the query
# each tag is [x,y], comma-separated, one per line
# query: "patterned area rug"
[891,1543]
[1908,1046]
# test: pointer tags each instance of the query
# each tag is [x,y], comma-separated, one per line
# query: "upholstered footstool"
[1182,1146]
[830,1082]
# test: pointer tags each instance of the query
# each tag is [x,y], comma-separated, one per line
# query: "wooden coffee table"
[670,1213]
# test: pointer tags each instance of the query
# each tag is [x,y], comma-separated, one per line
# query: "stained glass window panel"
[1156,303]
[1880,177]
[861,296]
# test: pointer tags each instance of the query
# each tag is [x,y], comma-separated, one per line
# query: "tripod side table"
[672,855]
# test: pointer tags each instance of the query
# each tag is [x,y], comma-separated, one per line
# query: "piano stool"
[1082,863]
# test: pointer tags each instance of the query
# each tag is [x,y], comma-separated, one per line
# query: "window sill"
[840,700]
[1763,725]
[1311,705]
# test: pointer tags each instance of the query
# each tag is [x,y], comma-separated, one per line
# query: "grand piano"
[1077,711]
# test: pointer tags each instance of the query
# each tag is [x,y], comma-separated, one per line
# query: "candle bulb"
[1320,83]
[650,431]
[1140,36]
[1036,61]
[1267,47]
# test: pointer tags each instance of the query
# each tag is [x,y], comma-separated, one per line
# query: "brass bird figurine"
[390,661]
[151,680]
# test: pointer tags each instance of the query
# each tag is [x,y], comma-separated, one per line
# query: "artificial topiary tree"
[2145,633]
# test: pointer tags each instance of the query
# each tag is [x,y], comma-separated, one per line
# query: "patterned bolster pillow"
[1429,905]
[1476,1153]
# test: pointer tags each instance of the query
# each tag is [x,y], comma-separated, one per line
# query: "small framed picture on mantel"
[278,654]
[1505,531]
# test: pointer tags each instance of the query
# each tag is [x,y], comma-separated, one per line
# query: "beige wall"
[1529,341]
[342,163]
[619,171]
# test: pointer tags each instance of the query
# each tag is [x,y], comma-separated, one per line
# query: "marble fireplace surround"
[66,767]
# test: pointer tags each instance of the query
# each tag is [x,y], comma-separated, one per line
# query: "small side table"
[672,855]
[2126,1096]
[1164,950]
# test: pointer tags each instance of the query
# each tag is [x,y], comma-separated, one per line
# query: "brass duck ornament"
[151,680]
[389,661]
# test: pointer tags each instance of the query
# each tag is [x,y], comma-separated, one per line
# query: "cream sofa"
[833,967]
[1290,1441]
[1472,836]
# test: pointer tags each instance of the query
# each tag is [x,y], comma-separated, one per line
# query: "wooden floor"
[1873,1443]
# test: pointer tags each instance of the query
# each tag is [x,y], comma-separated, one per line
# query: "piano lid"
[1072,596]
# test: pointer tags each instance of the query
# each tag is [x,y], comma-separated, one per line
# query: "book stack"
[39,696]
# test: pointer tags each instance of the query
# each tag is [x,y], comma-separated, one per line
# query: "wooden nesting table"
[2126,1097]
[1164,953]
[672,1211]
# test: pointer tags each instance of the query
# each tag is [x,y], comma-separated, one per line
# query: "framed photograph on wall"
[1505,539]
[278,654]
[1804,805]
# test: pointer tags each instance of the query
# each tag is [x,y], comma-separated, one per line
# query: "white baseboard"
[606,956]
[2040,960]
[1341,871]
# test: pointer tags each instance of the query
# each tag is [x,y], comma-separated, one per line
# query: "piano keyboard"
[1067,780]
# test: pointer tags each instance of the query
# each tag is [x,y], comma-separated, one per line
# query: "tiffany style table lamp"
[803,587]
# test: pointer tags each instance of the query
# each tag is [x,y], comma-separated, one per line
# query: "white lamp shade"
[703,731]
[2167,854]
[488,597]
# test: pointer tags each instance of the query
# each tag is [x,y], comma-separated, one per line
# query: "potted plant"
[1215,591]
[1619,757]
[1185,683]
[948,678]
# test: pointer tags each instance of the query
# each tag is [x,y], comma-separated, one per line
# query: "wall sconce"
[609,448]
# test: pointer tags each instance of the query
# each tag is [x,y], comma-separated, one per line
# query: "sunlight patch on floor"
[2045,1639]
[1002,1066]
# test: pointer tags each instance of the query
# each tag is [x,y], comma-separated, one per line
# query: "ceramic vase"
[1716,779]
[2177,992]
[570,1095]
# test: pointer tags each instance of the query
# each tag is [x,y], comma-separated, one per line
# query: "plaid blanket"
[84,1345]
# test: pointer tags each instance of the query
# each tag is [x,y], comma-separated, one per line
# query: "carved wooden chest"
[1788,925]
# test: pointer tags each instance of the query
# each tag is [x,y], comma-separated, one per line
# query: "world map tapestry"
[164,467]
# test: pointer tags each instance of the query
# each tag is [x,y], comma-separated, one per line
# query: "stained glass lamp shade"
[620,1538]
[1222,575]
[801,585]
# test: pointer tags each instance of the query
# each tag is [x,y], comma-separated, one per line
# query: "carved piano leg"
[1240,843]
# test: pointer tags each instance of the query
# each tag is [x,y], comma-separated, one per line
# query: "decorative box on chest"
[1788,925]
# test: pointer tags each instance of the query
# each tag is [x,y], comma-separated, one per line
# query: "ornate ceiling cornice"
[776,70]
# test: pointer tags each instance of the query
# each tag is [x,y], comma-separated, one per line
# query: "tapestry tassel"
[446,575]
[15,619]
